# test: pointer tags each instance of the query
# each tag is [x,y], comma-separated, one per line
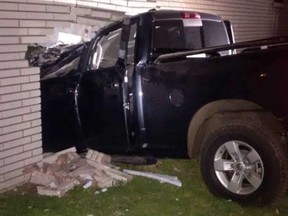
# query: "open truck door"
[103,104]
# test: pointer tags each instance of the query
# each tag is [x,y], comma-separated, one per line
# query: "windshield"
[172,35]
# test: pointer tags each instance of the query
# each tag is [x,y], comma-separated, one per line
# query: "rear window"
[214,33]
[169,35]
[172,35]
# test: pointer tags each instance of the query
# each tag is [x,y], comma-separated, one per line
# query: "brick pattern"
[23,22]
[35,21]
[20,118]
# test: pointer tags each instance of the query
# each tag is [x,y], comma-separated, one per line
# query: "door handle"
[115,85]
[70,90]
[126,106]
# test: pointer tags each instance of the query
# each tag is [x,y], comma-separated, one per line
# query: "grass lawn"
[140,197]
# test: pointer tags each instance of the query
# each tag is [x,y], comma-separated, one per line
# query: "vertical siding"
[251,19]
[282,20]
[35,21]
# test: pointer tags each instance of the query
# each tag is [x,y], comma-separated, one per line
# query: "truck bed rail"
[247,45]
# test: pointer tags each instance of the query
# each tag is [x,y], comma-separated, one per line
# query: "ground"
[140,197]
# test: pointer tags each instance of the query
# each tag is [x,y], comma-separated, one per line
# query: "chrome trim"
[139,102]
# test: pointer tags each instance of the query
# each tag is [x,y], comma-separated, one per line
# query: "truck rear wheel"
[243,161]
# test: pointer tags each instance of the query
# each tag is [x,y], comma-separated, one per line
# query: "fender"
[207,111]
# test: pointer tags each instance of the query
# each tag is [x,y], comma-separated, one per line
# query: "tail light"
[190,15]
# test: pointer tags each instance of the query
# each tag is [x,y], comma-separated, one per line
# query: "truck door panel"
[101,106]
[59,118]
[106,91]
[164,111]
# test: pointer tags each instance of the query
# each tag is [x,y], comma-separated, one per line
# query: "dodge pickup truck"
[170,83]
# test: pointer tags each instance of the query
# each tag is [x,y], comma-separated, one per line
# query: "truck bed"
[256,75]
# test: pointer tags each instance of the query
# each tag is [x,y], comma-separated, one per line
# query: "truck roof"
[168,14]
[178,14]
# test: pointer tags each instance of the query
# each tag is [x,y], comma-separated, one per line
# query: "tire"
[243,160]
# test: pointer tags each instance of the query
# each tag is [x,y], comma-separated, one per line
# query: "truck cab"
[113,116]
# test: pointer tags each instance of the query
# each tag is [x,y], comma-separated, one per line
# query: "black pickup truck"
[170,83]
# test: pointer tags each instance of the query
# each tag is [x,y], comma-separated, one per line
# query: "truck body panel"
[147,84]
[184,86]
[146,98]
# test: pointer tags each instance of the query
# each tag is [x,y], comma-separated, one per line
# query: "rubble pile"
[63,171]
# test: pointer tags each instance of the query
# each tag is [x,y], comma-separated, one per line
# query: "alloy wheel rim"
[238,167]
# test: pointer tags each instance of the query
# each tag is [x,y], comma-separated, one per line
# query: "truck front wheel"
[243,161]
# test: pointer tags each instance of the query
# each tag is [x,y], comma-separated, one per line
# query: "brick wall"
[23,22]
[38,21]
[20,123]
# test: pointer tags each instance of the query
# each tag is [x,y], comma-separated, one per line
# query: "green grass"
[140,197]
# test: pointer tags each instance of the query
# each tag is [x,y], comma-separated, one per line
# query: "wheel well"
[207,111]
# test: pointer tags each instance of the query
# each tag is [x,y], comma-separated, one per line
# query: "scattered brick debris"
[64,170]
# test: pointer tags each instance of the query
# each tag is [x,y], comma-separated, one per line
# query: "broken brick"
[40,178]
[63,171]
[81,163]
[49,168]
[31,168]
[98,157]
[72,157]
[66,186]
[41,190]
[62,160]
[106,182]
[86,169]
[62,177]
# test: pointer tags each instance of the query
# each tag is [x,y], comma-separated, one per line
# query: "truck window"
[214,33]
[106,54]
[172,35]
[193,37]
[168,35]
[131,44]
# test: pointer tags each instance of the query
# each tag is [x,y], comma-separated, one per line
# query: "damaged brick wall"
[38,21]
[23,22]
